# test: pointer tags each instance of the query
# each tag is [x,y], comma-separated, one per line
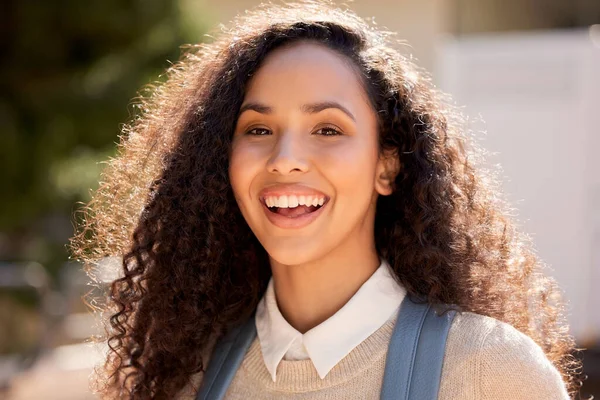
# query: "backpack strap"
[225,361]
[413,366]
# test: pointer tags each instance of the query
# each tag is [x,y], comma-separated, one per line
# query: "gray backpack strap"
[225,361]
[413,366]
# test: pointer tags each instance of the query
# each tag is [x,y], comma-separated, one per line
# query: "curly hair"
[192,268]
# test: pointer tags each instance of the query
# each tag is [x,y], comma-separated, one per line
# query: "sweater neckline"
[376,301]
[301,376]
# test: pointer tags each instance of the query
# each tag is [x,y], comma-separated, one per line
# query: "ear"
[388,167]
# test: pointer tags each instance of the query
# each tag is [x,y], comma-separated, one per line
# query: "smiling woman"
[297,96]
[308,203]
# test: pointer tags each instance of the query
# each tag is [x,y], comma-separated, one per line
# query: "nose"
[288,155]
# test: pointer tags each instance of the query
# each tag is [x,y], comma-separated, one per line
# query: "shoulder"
[190,390]
[489,359]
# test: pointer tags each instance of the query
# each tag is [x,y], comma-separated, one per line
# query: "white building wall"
[539,95]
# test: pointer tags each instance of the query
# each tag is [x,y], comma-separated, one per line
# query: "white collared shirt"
[377,300]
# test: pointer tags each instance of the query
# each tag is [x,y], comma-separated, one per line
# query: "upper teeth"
[293,201]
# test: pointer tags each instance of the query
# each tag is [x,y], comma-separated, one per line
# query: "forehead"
[305,72]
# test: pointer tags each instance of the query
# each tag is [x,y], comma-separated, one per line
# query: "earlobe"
[384,185]
[388,168]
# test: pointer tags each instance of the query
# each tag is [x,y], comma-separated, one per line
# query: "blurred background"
[527,72]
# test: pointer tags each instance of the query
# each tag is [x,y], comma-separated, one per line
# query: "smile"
[293,212]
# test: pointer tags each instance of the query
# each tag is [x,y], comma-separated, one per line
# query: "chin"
[294,253]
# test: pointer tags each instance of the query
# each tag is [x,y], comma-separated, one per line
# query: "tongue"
[296,211]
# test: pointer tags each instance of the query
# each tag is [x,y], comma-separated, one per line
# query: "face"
[305,167]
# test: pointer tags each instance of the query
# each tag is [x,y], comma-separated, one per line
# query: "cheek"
[243,166]
[351,165]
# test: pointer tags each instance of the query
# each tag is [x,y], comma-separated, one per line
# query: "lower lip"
[292,223]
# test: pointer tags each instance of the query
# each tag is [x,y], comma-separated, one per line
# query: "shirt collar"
[329,342]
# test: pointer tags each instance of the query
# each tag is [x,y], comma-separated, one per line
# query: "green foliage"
[68,74]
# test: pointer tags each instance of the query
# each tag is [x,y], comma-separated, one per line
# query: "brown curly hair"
[192,268]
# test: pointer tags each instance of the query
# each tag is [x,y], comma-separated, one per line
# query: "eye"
[328,131]
[259,132]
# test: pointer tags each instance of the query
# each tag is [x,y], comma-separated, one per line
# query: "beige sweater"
[485,359]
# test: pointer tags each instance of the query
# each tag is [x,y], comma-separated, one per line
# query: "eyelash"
[328,128]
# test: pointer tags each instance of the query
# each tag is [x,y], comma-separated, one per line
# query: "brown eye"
[328,131]
[258,132]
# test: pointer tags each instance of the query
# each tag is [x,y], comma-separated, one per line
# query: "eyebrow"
[312,108]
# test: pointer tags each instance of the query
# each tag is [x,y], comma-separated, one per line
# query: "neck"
[308,294]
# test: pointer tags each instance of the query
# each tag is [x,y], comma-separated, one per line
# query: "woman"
[300,174]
